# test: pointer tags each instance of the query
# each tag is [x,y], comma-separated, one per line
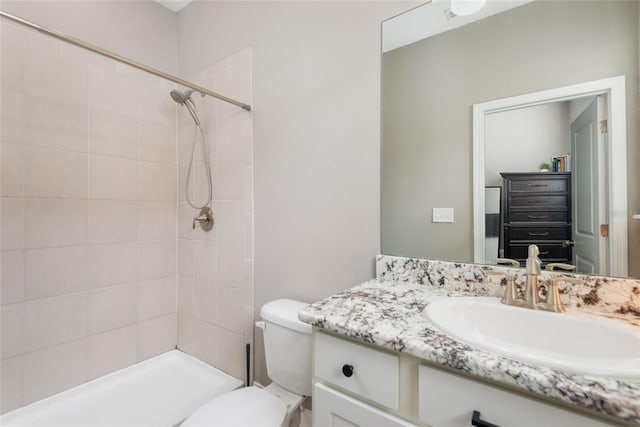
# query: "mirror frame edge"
[616,150]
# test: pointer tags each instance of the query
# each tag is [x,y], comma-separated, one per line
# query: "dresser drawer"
[541,185]
[549,252]
[537,233]
[537,201]
[370,373]
[537,216]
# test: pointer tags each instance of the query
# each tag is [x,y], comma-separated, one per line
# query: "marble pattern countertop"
[389,314]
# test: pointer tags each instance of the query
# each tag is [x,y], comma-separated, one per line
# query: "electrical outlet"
[442,214]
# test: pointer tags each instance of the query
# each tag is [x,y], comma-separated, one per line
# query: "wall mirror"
[466,98]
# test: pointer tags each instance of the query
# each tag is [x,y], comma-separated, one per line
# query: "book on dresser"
[536,210]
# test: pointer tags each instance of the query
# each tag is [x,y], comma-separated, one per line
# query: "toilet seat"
[249,406]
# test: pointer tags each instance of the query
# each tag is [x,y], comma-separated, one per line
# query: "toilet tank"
[287,345]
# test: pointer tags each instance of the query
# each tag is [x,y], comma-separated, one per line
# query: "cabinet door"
[334,409]
[450,400]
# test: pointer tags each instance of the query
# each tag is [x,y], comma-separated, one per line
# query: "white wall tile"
[157,220]
[207,342]
[11,170]
[54,369]
[114,91]
[186,336]
[156,259]
[112,221]
[55,124]
[231,271]
[55,222]
[158,181]
[205,301]
[231,353]
[113,178]
[11,317]
[55,173]
[11,223]
[229,178]
[112,264]
[186,295]
[10,384]
[231,309]
[185,257]
[65,78]
[157,336]
[230,221]
[113,134]
[12,64]
[55,320]
[110,351]
[12,119]
[111,308]
[12,277]
[157,297]
[205,255]
[55,271]
[157,142]
[156,103]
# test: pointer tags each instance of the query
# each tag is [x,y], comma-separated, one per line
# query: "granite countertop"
[389,314]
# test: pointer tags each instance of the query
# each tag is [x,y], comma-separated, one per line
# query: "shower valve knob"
[205,219]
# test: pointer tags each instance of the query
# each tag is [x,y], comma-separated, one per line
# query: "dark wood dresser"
[537,210]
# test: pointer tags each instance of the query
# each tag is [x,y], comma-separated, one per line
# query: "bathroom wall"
[215,311]
[316,98]
[541,132]
[88,221]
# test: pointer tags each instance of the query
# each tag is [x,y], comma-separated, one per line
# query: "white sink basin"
[581,345]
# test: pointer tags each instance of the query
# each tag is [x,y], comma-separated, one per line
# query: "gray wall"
[430,86]
[316,91]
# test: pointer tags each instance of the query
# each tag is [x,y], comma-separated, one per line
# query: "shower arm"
[84,45]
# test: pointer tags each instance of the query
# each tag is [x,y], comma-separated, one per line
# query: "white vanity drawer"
[370,373]
[447,399]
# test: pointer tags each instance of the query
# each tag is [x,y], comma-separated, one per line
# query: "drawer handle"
[538,185]
[537,216]
[544,252]
[546,233]
[537,201]
[347,370]
[477,421]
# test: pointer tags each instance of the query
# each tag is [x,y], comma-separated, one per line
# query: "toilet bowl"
[288,358]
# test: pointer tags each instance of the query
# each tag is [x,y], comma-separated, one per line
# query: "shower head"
[184,98]
[180,97]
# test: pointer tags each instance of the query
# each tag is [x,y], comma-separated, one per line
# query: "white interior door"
[585,188]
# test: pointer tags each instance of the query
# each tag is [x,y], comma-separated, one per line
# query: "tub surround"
[387,312]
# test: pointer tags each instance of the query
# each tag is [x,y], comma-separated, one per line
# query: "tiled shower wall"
[215,302]
[88,229]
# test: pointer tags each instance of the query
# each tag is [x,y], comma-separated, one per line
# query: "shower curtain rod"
[84,45]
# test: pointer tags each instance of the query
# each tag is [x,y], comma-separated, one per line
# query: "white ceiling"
[174,5]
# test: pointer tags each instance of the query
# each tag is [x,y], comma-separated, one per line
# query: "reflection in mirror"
[429,88]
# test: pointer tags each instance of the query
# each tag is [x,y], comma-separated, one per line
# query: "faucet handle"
[511,292]
[553,302]
[560,265]
[508,261]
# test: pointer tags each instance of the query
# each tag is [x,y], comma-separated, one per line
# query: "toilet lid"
[249,406]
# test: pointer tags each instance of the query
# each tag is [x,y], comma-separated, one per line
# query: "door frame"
[614,89]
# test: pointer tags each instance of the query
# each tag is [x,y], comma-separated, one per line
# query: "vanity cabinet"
[357,384]
[536,209]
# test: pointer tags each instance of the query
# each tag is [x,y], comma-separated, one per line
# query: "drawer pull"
[545,233]
[477,421]
[537,201]
[538,185]
[347,370]
[537,216]
[544,252]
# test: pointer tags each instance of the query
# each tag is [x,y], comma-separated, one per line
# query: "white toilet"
[287,343]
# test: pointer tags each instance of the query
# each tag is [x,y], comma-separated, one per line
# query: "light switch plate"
[442,214]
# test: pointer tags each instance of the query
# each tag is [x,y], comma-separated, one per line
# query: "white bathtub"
[161,391]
